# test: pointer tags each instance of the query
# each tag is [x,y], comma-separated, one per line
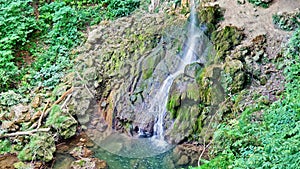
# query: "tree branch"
[20,133]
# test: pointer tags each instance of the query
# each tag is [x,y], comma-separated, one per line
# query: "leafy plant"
[272,141]
[116,8]
[17,24]
[5,146]
[262,3]
[287,21]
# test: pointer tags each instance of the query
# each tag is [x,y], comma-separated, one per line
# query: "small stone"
[104,104]
[263,79]
[36,101]
[7,124]
[79,152]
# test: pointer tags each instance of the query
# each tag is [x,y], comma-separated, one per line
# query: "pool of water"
[161,161]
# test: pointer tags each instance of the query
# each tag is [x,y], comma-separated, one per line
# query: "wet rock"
[184,160]
[183,124]
[89,163]
[79,152]
[103,104]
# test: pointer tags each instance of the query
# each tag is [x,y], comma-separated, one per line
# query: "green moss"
[64,124]
[147,74]
[173,104]
[225,40]
[210,15]
[40,147]
[205,86]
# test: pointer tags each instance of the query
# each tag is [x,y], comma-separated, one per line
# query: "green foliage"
[10,98]
[40,147]
[50,39]
[117,8]
[261,3]
[272,141]
[287,21]
[17,24]
[5,146]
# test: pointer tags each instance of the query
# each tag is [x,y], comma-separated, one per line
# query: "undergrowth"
[48,37]
[261,3]
[272,141]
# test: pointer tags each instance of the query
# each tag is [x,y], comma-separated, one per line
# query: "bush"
[287,21]
[17,23]
[272,141]
[262,3]
[117,8]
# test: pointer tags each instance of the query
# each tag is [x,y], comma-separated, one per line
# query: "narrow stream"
[161,98]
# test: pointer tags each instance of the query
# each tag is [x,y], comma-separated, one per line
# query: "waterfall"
[189,56]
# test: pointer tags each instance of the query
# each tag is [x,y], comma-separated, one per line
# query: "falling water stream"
[133,147]
[189,56]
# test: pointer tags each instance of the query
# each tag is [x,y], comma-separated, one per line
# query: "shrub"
[287,21]
[17,23]
[272,141]
[262,3]
[117,8]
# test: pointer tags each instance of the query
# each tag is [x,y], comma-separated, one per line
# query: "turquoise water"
[162,161]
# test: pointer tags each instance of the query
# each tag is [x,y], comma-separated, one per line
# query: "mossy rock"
[184,124]
[234,76]
[210,15]
[193,92]
[173,104]
[233,66]
[225,40]
[64,124]
[40,147]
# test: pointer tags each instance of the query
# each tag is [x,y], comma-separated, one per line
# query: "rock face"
[116,67]
[184,108]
